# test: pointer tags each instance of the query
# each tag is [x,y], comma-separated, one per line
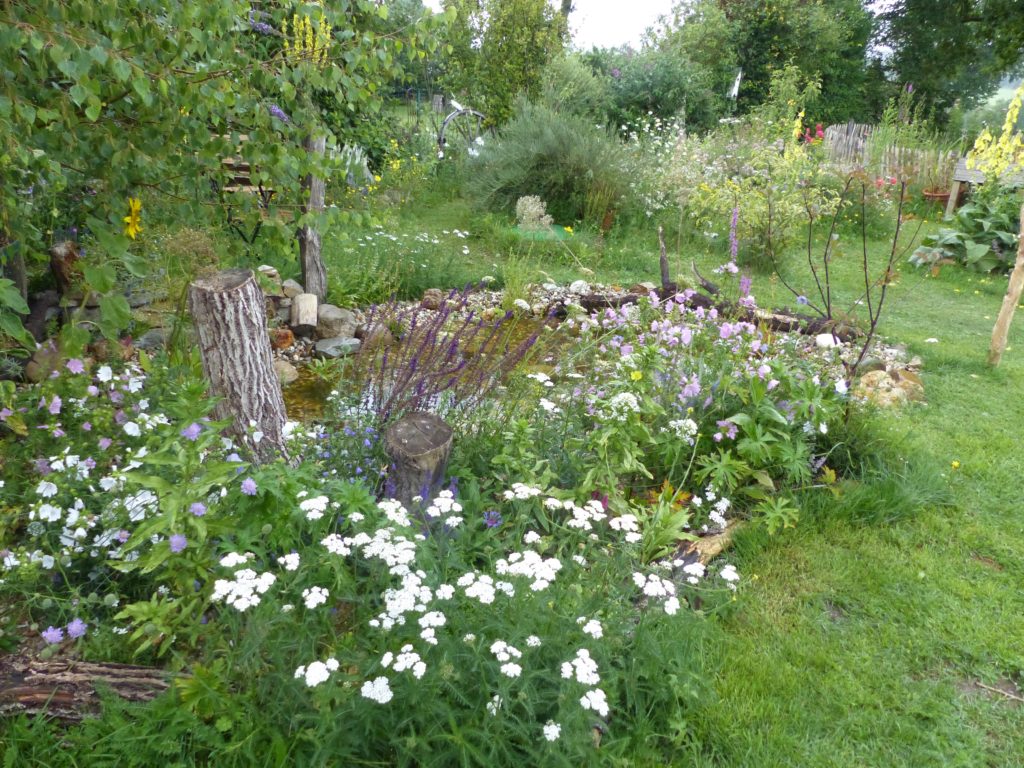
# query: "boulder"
[336,348]
[433,298]
[286,372]
[282,338]
[579,287]
[826,341]
[291,288]
[153,339]
[333,322]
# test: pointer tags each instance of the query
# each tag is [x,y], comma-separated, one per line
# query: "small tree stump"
[67,689]
[304,314]
[314,275]
[230,319]
[418,445]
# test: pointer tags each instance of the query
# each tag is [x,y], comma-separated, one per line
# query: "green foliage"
[570,86]
[497,50]
[984,236]
[563,159]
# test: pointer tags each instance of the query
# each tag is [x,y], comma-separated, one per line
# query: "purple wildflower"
[4,413]
[802,300]
[734,243]
[178,542]
[259,26]
[123,536]
[76,629]
[276,111]
[75,365]
[92,390]
[55,405]
[52,635]
[492,518]
[728,427]
[616,73]
[86,426]
[191,432]
[42,466]
[249,487]
[198,508]
[745,283]
[105,443]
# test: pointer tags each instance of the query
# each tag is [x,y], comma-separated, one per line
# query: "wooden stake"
[314,274]
[1013,291]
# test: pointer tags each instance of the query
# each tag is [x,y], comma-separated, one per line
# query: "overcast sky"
[607,23]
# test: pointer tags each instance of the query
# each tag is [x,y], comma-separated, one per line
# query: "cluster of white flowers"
[314,596]
[629,524]
[548,406]
[521,492]
[533,642]
[430,621]
[289,562]
[395,512]
[596,701]
[443,505]
[315,507]
[336,545]
[694,571]
[411,596]
[378,690]
[233,559]
[655,586]
[317,672]
[685,429]
[541,378]
[494,705]
[407,658]
[591,627]
[505,654]
[619,407]
[530,565]
[552,730]
[244,590]
[531,537]
[582,517]
[582,667]
[483,588]
[717,512]
[729,574]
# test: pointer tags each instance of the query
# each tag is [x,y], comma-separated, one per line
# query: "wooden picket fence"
[849,147]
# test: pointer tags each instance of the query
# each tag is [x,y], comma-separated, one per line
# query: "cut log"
[1013,291]
[68,689]
[304,314]
[314,274]
[230,319]
[418,446]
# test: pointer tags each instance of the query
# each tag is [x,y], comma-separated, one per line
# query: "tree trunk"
[229,313]
[14,265]
[1010,300]
[418,446]
[67,689]
[314,275]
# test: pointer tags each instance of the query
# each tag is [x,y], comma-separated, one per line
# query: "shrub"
[563,159]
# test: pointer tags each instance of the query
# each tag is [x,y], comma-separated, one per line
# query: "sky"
[607,23]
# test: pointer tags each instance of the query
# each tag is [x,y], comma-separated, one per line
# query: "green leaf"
[10,325]
[975,251]
[11,298]
[101,277]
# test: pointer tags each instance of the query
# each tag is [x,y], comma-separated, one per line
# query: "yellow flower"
[133,221]
[636,375]
[568,229]
[955,464]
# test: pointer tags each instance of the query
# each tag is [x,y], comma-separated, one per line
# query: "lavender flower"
[75,365]
[260,27]
[52,635]
[191,432]
[55,405]
[249,487]
[77,628]
[276,111]
[178,542]
[734,243]
[198,508]
[802,300]
[745,283]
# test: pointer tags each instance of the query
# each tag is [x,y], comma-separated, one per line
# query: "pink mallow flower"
[75,365]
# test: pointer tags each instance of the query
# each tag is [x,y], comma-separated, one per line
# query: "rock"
[826,341]
[284,302]
[284,314]
[291,288]
[43,362]
[106,351]
[334,322]
[335,348]
[642,289]
[916,363]
[910,383]
[871,364]
[579,287]
[433,298]
[489,314]
[153,339]
[374,336]
[882,389]
[282,338]
[270,280]
[138,299]
[285,371]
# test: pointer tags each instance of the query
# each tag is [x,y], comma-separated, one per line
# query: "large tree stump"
[418,445]
[1001,330]
[68,689]
[314,274]
[230,319]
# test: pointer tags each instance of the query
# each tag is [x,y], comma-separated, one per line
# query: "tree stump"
[418,445]
[304,314]
[230,319]
[67,689]
[314,274]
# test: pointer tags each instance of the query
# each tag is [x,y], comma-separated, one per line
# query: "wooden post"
[418,445]
[314,274]
[954,196]
[1013,291]
[229,313]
